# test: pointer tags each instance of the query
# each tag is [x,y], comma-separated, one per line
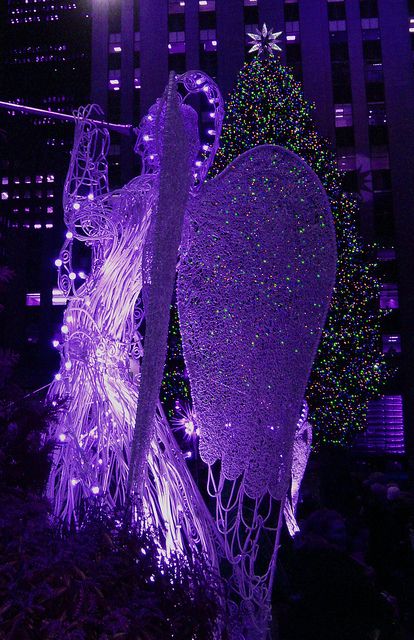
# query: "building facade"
[44,63]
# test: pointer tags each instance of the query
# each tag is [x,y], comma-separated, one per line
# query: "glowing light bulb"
[69,235]
[188,455]
[82,275]
[90,196]
[189,427]
[58,376]
[76,206]
[74,482]
[55,343]
[146,138]
[58,262]
[95,490]
[72,275]
[68,365]
[211,132]
[64,328]
[62,437]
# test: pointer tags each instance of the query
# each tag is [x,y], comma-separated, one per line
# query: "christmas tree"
[267,106]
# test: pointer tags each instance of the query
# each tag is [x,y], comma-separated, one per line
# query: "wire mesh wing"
[254,287]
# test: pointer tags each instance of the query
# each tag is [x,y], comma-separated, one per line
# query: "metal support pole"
[124,129]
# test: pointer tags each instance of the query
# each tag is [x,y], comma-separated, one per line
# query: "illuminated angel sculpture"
[256,269]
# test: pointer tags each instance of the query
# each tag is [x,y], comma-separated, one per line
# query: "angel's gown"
[100,360]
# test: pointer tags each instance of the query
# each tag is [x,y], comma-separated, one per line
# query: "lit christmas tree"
[267,106]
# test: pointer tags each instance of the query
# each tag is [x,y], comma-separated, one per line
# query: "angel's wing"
[253,292]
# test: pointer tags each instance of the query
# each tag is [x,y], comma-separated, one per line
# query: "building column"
[316,64]
[399,98]
[127,87]
[154,51]
[360,116]
[99,70]
[192,35]
[230,38]
[272,13]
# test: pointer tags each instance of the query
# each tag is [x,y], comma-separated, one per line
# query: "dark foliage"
[101,582]
[25,449]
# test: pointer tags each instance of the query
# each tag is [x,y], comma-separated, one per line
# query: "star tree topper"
[264,41]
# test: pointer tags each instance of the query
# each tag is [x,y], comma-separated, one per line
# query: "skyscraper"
[44,63]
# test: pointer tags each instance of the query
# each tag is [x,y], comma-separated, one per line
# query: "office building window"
[389,296]
[391,343]
[376,114]
[375,91]
[291,11]
[343,115]
[374,72]
[32,299]
[372,51]
[368,9]
[115,43]
[381,180]
[176,6]
[345,137]
[336,11]
[206,5]
[369,23]
[378,135]
[346,159]
[380,158]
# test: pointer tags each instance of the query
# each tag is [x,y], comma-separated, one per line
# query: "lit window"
[58,298]
[39,179]
[389,296]
[32,299]
[27,180]
[50,178]
[346,159]
[386,254]
[369,23]
[5,180]
[391,344]
[49,209]
[337,25]
[343,115]
[4,195]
